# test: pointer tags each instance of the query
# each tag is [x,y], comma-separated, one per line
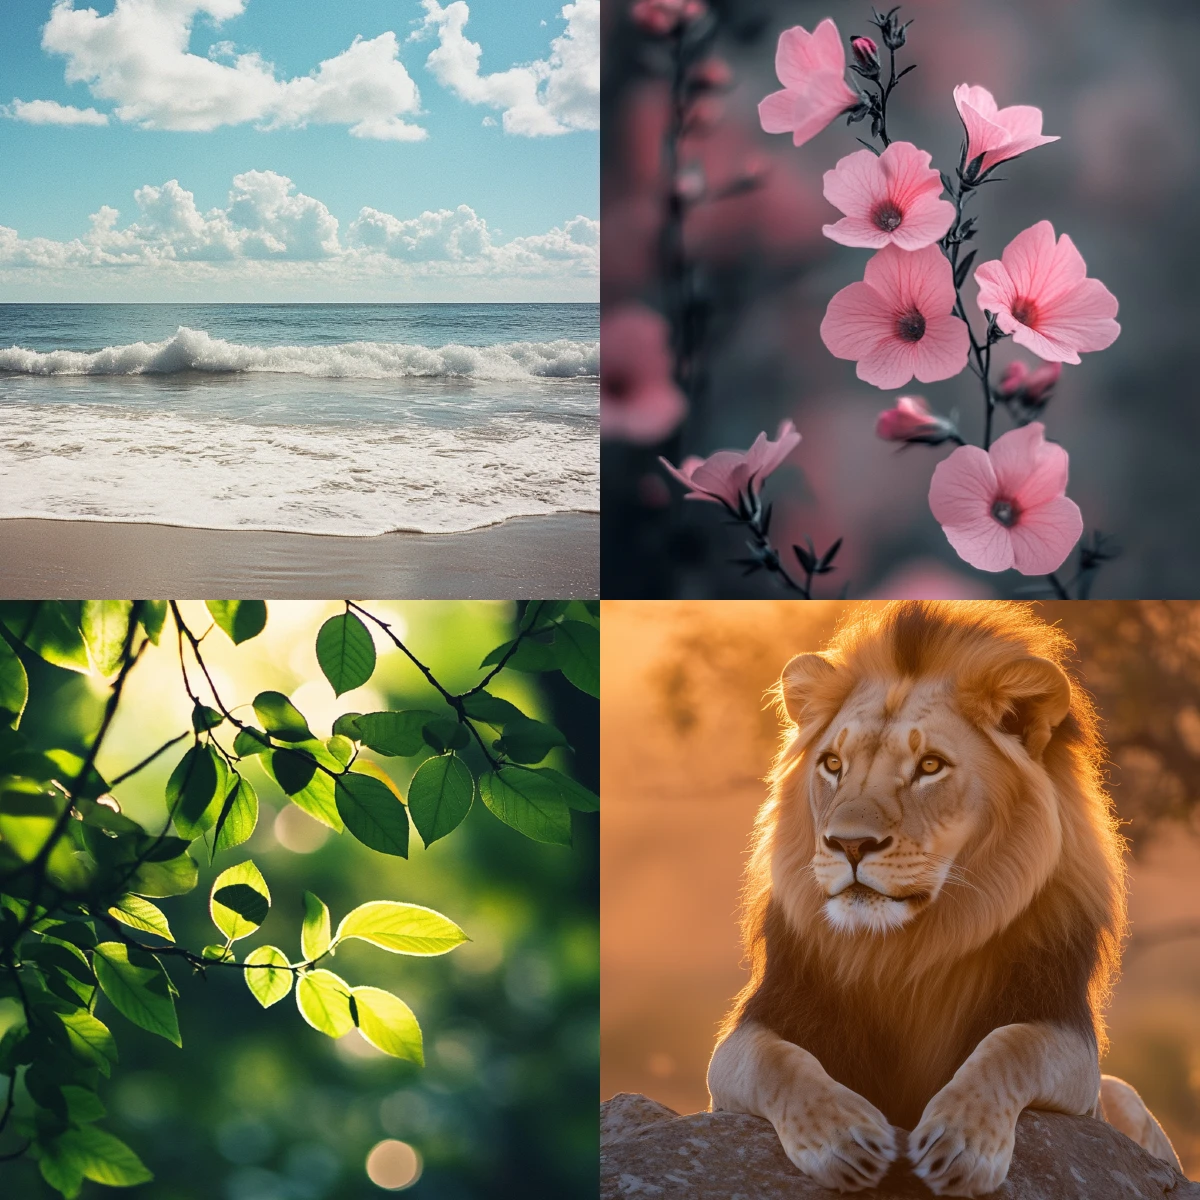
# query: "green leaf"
[58,1171]
[314,935]
[14,685]
[373,814]
[217,952]
[83,1105]
[238,817]
[577,649]
[440,796]
[138,987]
[90,1039]
[153,617]
[342,748]
[281,718]
[528,656]
[309,788]
[527,741]
[105,625]
[169,877]
[396,734]
[196,791]
[401,928]
[268,984]
[388,1024]
[573,794]
[101,1157]
[347,726]
[529,803]
[250,741]
[446,733]
[50,628]
[240,900]
[241,619]
[324,1002]
[491,710]
[141,914]
[205,718]
[345,653]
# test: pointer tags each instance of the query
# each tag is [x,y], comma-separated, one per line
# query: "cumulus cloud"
[549,96]
[50,112]
[267,221]
[137,58]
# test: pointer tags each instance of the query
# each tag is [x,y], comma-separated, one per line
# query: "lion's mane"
[893,1016]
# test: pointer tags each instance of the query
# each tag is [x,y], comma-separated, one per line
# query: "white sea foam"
[195,350]
[100,462]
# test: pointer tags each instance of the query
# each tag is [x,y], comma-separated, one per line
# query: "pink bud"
[661,17]
[1041,381]
[1013,379]
[912,421]
[689,184]
[712,73]
[865,51]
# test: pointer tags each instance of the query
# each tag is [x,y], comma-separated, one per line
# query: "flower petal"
[1029,258]
[857,183]
[1029,470]
[926,220]
[1044,536]
[856,317]
[942,352]
[905,278]
[777,112]
[857,232]
[961,495]
[1083,318]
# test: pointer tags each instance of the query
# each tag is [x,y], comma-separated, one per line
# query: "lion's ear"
[1029,697]
[808,687]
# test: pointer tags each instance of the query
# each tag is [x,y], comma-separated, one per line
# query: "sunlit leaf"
[90,1039]
[373,814]
[314,934]
[100,1156]
[250,741]
[527,741]
[238,817]
[241,619]
[347,726]
[309,787]
[281,718]
[50,628]
[492,710]
[14,685]
[529,803]
[105,625]
[59,1170]
[153,617]
[440,796]
[138,913]
[169,877]
[530,655]
[217,952]
[138,987]
[196,791]
[388,1024]
[269,980]
[205,718]
[345,652]
[573,794]
[324,1002]
[240,900]
[446,733]
[342,748]
[577,649]
[397,734]
[401,928]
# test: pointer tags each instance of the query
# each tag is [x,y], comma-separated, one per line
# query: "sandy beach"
[556,556]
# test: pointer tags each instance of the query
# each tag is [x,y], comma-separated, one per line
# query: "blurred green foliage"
[256,1105]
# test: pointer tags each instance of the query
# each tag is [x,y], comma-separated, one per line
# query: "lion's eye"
[931,764]
[831,763]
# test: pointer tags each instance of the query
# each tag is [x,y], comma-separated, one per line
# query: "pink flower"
[1007,507]
[866,52]
[638,398]
[889,199]
[1040,293]
[726,476]
[896,322]
[1031,387]
[661,17]
[912,421]
[812,69]
[996,133]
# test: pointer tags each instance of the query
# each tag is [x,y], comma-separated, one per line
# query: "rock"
[650,1152]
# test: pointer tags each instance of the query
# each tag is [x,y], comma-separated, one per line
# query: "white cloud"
[50,112]
[549,96]
[137,57]
[268,230]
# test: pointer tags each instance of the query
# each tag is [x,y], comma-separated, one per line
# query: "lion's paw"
[838,1138]
[963,1144]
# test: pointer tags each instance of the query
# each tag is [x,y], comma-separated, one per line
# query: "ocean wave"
[195,350]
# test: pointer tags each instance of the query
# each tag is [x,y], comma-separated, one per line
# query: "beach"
[550,556]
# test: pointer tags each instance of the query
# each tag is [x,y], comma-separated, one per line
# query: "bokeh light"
[393,1165]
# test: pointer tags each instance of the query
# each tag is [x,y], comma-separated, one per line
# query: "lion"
[935,904]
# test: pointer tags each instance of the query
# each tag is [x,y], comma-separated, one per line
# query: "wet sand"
[539,557]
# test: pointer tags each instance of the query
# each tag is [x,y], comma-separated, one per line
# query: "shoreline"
[546,557]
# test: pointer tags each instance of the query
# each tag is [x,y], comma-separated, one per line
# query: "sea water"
[347,419]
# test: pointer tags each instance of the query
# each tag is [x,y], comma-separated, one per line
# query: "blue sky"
[451,152]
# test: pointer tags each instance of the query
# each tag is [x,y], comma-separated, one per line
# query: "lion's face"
[896,788]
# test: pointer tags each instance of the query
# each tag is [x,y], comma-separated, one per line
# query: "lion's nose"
[856,849]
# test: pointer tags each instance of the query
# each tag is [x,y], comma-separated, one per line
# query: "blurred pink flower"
[812,69]
[889,199]
[928,579]
[725,476]
[912,421]
[639,401]
[995,133]
[896,322]
[1032,386]
[711,73]
[1039,291]
[1007,507]
[661,17]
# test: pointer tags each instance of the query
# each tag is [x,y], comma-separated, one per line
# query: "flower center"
[887,216]
[910,326]
[1025,310]
[1005,511]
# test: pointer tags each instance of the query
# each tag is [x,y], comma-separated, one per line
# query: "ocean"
[351,419]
